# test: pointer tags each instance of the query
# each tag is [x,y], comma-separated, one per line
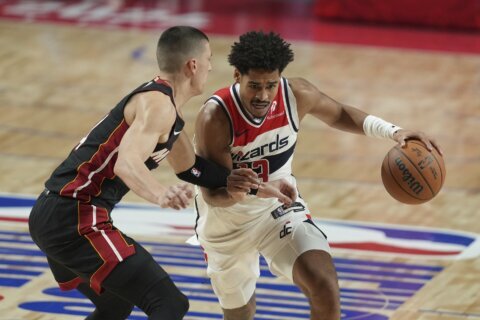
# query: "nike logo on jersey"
[176,133]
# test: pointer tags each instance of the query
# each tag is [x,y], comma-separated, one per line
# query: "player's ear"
[236,75]
[192,66]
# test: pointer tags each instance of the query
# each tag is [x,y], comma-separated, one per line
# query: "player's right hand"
[402,135]
[176,197]
[242,180]
[281,189]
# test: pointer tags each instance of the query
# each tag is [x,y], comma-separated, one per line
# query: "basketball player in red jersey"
[71,220]
[254,124]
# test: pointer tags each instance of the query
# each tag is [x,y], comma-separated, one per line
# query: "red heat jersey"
[87,173]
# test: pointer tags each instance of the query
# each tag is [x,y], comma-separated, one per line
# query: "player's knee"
[164,301]
[323,294]
[322,286]
[174,309]
[245,312]
[315,273]
[107,306]
[180,304]
[323,289]
[119,312]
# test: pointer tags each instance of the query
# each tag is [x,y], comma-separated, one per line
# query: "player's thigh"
[62,274]
[132,277]
[233,276]
[296,236]
[107,305]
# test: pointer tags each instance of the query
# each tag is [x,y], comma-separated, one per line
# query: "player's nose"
[262,95]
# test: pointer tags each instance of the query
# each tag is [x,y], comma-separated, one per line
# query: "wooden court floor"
[56,82]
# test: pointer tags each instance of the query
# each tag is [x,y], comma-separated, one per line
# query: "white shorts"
[233,262]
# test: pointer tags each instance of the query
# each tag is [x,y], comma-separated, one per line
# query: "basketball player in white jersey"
[254,124]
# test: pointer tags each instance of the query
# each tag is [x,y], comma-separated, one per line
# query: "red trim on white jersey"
[244,129]
[268,144]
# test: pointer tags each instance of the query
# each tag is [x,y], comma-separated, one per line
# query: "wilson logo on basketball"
[412,183]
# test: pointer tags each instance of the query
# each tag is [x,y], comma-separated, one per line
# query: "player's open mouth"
[260,105]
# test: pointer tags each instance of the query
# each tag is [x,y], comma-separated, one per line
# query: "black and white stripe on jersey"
[220,102]
[276,161]
[287,103]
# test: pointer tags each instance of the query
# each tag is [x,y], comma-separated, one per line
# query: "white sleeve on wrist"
[379,128]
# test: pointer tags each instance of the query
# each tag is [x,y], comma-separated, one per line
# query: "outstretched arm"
[150,116]
[312,101]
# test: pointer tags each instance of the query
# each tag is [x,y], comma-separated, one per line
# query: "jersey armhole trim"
[292,115]
[218,101]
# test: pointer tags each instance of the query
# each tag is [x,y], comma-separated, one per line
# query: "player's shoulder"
[225,91]
[153,96]
[303,89]
[218,104]
[211,111]
[213,122]
[154,101]
[152,105]
[300,84]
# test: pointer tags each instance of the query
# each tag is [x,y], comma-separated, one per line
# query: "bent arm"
[212,139]
[213,136]
[152,116]
[194,169]
[182,155]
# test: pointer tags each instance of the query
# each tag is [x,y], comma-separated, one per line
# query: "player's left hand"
[242,180]
[177,197]
[402,135]
[281,189]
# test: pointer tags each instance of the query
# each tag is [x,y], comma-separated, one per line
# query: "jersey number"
[261,167]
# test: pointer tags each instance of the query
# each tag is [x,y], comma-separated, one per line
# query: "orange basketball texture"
[412,174]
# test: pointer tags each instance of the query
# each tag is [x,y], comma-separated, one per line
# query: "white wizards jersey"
[265,146]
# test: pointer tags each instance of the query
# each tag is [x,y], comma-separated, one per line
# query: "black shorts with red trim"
[79,239]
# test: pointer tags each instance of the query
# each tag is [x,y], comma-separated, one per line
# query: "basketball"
[412,174]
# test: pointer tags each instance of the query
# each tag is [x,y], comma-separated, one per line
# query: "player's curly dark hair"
[259,50]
